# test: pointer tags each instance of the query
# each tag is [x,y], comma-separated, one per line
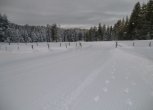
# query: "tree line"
[139,25]
[10,32]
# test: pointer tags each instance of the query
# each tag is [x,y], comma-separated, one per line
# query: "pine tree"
[134,21]
[48,33]
[54,32]
[149,17]
[117,29]
[125,29]
[104,32]
[100,33]
[3,27]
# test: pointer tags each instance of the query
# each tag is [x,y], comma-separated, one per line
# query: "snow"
[95,76]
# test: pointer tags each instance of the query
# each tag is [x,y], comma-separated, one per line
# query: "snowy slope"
[97,76]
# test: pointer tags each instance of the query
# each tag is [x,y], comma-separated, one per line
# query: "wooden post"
[32,46]
[37,43]
[48,46]
[133,44]
[18,48]
[149,44]
[116,44]
[80,44]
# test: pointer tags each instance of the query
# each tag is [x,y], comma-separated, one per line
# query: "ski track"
[93,76]
[76,93]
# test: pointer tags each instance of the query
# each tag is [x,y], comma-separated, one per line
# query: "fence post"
[76,44]
[60,44]
[133,44]
[32,46]
[37,43]
[116,44]
[18,48]
[66,45]
[80,44]
[149,44]
[48,46]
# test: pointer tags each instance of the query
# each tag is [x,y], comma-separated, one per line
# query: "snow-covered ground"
[97,76]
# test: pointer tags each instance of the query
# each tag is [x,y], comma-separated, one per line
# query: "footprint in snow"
[114,69]
[107,81]
[134,84]
[112,72]
[105,89]
[129,102]
[113,77]
[126,90]
[96,99]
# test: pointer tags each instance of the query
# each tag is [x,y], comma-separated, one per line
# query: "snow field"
[92,77]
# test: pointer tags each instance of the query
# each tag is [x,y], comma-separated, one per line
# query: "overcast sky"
[68,13]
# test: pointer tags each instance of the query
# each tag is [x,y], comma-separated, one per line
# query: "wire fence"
[66,45]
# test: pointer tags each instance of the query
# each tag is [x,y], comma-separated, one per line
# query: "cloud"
[67,12]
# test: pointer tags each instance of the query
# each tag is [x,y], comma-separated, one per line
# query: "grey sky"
[69,13]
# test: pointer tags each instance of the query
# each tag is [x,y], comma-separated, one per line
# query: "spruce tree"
[3,27]
[134,21]
[100,33]
[149,17]
[54,32]
[125,29]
